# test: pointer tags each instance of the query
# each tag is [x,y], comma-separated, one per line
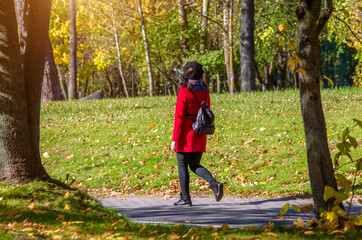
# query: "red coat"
[183,134]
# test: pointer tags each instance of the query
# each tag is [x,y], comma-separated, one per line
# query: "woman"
[188,145]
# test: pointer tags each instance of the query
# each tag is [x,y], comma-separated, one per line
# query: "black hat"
[193,70]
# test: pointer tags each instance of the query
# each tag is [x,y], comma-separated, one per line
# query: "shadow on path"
[205,211]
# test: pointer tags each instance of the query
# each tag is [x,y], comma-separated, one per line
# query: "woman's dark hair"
[185,83]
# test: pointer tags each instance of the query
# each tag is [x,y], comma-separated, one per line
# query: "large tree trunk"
[183,27]
[205,15]
[147,49]
[247,47]
[51,87]
[311,23]
[20,88]
[72,85]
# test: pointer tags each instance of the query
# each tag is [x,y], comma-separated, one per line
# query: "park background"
[132,53]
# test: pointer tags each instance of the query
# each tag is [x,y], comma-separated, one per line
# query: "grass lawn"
[44,211]
[123,145]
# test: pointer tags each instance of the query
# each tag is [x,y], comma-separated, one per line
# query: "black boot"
[184,201]
[218,189]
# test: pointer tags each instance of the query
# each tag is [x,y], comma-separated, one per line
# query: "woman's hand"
[173,146]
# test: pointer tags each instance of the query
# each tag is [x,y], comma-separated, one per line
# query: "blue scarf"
[197,85]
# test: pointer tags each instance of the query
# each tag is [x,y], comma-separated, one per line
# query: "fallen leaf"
[66,195]
[32,206]
[173,236]
[298,223]
[225,227]
[39,211]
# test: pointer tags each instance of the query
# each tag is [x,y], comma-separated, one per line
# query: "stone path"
[205,211]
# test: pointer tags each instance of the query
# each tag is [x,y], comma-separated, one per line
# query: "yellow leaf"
[281,41]
[85,210]
[358,220]
[284,209]
[328,193]
[173,236]
[284,27]
[66,195]
[296,208]
[307,208]
[39,211]
[301,70]
[152,125]
[298,223]
[331,216]
[296,58]
[291,45]
[329,80]
[32,206]
[339,211]
[225,227]
[66,207]
[253,229]
[309,232]
[271,234]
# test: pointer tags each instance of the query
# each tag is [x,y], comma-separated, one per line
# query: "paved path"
[205,211]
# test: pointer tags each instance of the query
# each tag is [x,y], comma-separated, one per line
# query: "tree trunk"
[247,47]
[311,23]
[72,85]
[205,14]
[109,83]
[119,56]
[51,87]
[20,88]
[147,49]
[183,27]
[226,42]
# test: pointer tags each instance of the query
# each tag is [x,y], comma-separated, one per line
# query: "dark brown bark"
[109,83]
[20,88]
[311,22]
[72,84]
[247,46]
[51,87]
[147,49]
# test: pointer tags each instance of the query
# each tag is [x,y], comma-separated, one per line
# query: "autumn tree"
[22,68]
[312,17]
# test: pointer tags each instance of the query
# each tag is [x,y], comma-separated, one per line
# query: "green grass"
[38,211]
[123,145]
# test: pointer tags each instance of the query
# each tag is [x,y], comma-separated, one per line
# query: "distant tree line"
[138,48]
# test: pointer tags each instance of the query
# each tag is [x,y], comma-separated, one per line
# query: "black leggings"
[192,159]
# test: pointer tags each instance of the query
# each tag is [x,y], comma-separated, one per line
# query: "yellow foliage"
[284,27]
[284,209]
